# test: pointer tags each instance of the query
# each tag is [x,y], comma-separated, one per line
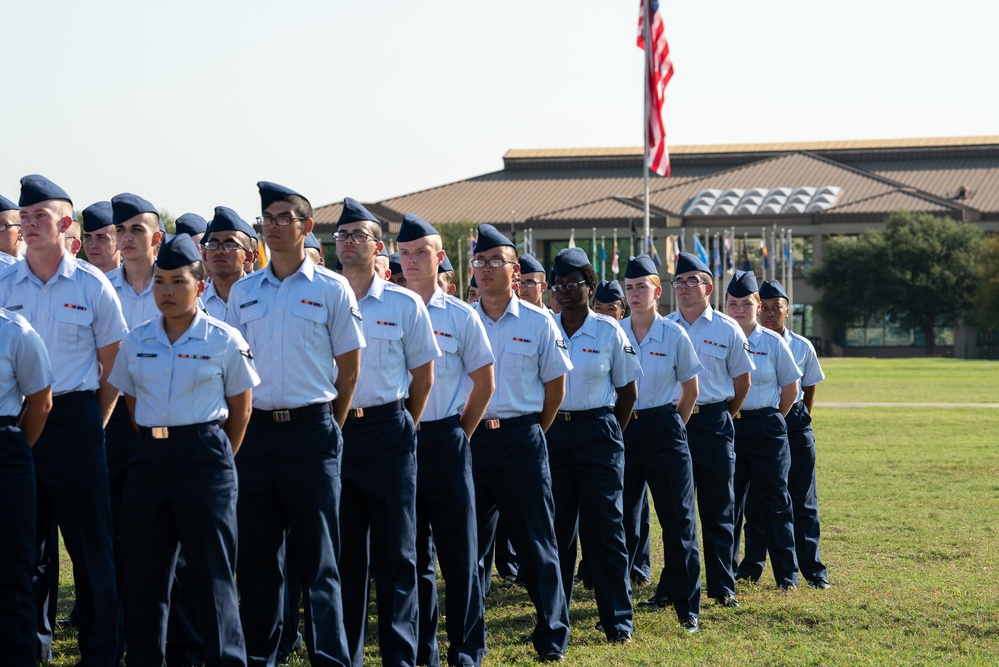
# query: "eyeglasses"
[689,282]
[492,263]
[567,287]
[354,237]
[530,284]
[5,226]
[279,220]
[225,245]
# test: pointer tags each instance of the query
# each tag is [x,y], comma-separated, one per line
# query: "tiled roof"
[945,178]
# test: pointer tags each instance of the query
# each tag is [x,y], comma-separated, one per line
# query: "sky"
[189,104]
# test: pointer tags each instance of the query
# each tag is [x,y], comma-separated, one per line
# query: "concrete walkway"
[820,404]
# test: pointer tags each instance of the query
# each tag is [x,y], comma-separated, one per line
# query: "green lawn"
[908,498]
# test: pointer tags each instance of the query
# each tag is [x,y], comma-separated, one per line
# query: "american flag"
[658,72]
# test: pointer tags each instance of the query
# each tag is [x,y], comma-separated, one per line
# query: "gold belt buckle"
[281,416]
[696,409]
[355,413]
[564,416]
[634,414]
[738,415]
[491,424]
[160,432]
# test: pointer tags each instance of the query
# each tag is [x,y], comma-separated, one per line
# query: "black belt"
[752,414]
[439,424]
[167,432]
[8,421]
[377,410]
[652,412]
[576,415]
[72,397]
[709,408]
[510,422]
[293,414]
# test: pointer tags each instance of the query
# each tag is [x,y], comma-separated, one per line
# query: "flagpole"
[645,110]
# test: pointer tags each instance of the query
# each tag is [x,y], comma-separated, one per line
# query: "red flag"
[658,72]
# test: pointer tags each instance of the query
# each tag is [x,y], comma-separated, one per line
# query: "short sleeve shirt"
[774,368]
[464,349]
[187,381]
[529,351]
[807,360]
[76,312]
[136,308]
[722,350]
[667,358]
[400,338]
[295,328]
[602,359]
[24,363]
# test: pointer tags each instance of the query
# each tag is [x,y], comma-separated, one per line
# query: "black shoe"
[622,637]
[742,576]
[689,624]
[821,583]
[640,580]
[787,587]
[727,600]
[551,655]
[599,626]
[656,603]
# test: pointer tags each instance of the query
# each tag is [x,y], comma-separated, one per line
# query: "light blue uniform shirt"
[775,368]
[187,381]
[213,303]
[7,260]
[137,308]
[602,358]
[721,348]
[529,351]
[464,347]
[806,359]
[400,338]
[24,363]
[75,313]
[667,358]
[295,327]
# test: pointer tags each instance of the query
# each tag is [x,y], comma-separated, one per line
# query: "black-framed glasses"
[279,220]
[225,245]
[354,237]
[7,225]
[689,282]
[530,284]
[567,287]
[491,263]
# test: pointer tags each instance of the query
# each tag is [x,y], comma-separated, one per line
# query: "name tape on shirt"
[146,355]
[247,304]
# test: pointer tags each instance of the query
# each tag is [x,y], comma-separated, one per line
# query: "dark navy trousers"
[445,530]
[587,468]
[804,500]
[512,478]
[378,522]
[17,548]
[710,435]
[72,480]
[180,492]
[637,517]
[289,477]
[657,440]
[762,460]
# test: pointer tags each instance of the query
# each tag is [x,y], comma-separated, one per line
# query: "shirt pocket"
[448,363]
[384,347]
[310,321]
[74,328]
[520,360]
[251,319]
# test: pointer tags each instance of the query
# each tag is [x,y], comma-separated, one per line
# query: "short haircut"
[196,270]
[244,239]
[300,206]
[447,277]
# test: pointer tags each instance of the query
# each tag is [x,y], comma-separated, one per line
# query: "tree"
[987,309]
[921,271]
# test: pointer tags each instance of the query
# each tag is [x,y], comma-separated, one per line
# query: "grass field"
[909,499]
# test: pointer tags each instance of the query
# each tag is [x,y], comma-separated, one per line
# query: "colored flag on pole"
[471,250]
[616,257]
[699,250]
[745,255]
[729,253]
[262,248]
[572,237]
[658,72]
[716,256]
[671,254]
[651,244]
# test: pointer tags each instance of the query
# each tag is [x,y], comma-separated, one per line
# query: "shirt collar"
[376,288]
[307,268]
[438,299]
[198,330]
[67,269]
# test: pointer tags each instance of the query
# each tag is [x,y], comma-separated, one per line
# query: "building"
[791,194]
